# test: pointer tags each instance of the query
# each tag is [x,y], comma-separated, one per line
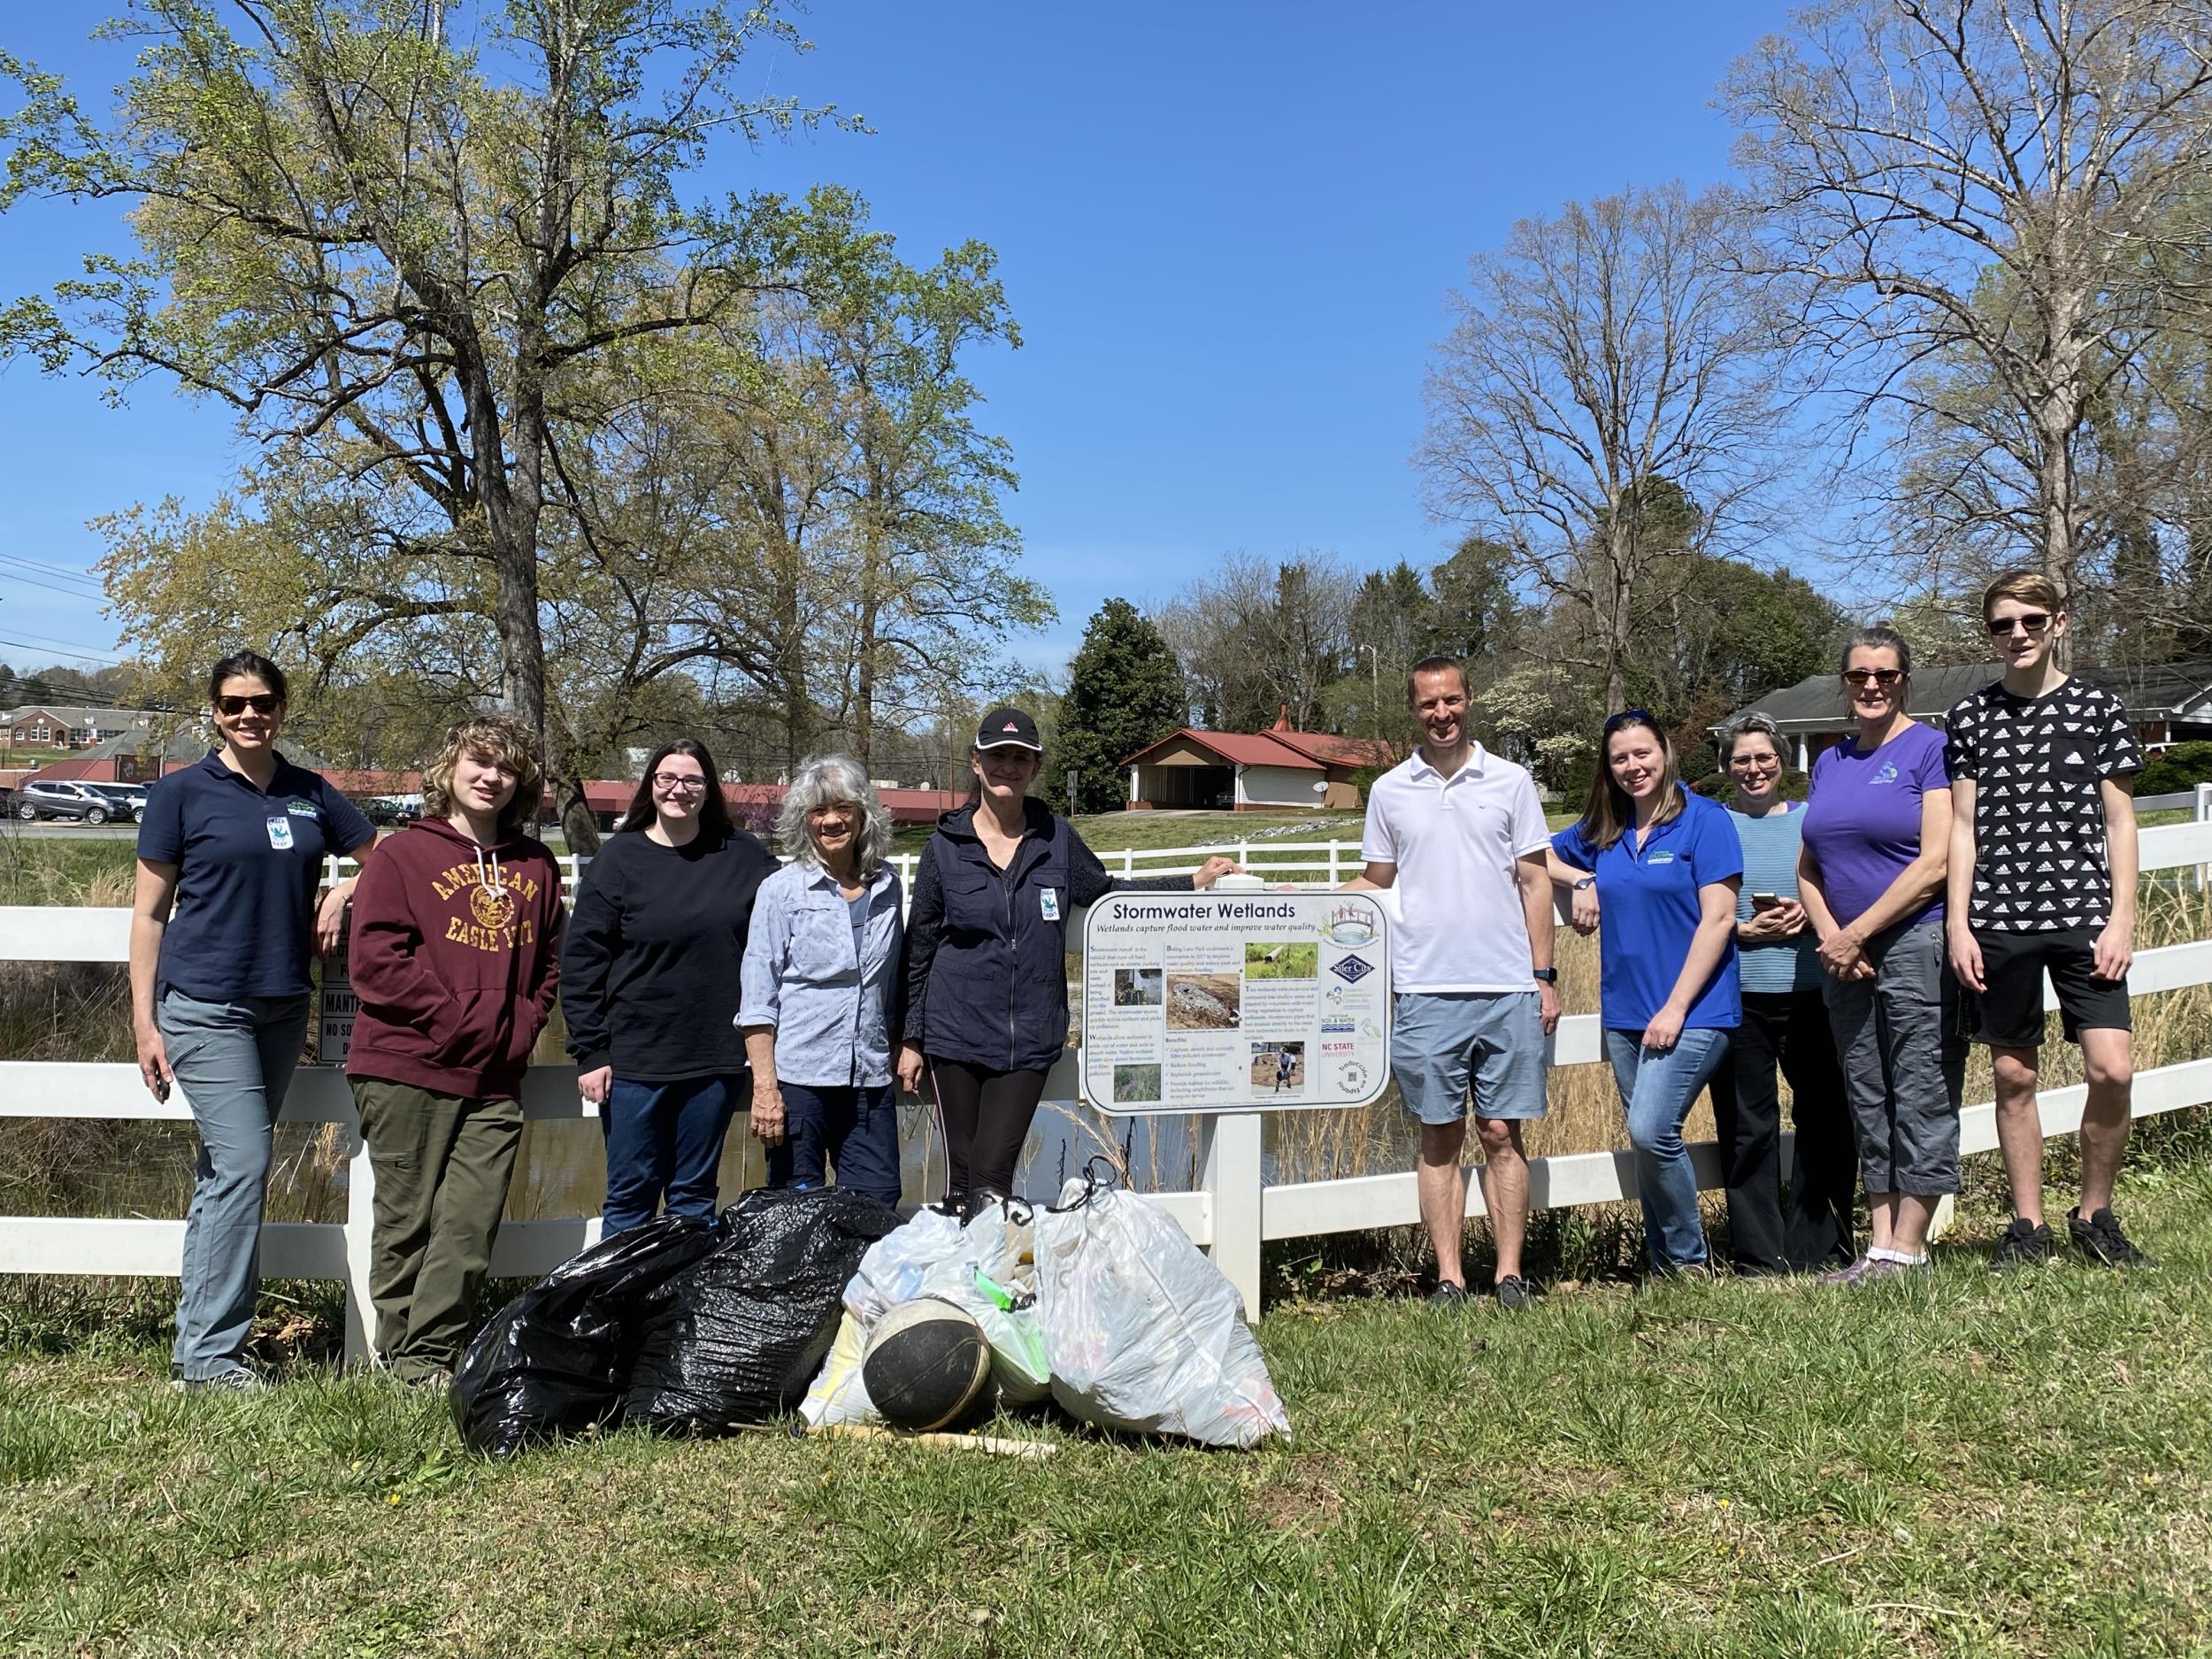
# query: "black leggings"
[985,1118]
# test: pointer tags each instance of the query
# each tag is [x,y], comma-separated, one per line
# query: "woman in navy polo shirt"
[230,853]
[1663,865]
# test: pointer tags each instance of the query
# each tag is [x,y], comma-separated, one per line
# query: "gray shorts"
[1441,1041]
[1899,1039]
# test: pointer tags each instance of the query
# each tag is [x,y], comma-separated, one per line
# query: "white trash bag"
[839,1395]
[984,1269]
[892,1271]
[1142,1331]
[991,1275]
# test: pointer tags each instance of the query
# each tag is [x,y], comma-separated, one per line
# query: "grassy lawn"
[1960,1465]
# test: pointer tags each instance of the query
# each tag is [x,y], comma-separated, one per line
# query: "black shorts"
[2009,1014]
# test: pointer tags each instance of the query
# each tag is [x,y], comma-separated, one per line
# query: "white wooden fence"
[1231,1213]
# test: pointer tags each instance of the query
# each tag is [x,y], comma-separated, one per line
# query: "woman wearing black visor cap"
[986,994]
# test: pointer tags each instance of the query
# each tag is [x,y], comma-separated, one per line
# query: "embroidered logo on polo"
[2040,831]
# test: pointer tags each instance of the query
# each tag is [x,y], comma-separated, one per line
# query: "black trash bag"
[737,1337]
[556,1360]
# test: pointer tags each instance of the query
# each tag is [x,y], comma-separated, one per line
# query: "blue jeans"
[854,1129]
[234,1061]
[664,1139]
[1658,1089]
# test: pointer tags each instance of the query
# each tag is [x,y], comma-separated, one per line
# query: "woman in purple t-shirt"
[1877,830]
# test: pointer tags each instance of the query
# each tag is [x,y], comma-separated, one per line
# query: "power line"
[60,570]
[52,587]
[41,568]
[83,654]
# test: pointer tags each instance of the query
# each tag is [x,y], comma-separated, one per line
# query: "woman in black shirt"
[649,985]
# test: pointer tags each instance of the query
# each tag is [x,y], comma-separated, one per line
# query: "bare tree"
[1260,637]
[1606,366]
[1976,191]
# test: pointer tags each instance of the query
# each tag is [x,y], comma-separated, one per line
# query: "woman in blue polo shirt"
[223,925]
[1663,865]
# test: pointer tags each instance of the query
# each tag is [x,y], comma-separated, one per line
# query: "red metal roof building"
[1280,769]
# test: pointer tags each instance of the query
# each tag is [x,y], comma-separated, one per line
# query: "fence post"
[360,1218]
[1230,1172]
[2201,810]
[1336,879]
[1128,861]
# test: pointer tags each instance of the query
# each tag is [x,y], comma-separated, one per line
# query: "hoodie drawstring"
[493,879]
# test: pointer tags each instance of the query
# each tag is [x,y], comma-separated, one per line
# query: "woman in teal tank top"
[1786,1029]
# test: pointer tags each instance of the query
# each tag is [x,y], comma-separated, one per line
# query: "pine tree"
[1125,690]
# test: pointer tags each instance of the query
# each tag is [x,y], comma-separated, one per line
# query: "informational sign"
[339,1003]
[1240,1001]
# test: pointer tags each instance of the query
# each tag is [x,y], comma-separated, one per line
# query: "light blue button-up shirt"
[835,1011]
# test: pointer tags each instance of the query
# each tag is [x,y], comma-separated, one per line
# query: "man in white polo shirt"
[1458,832]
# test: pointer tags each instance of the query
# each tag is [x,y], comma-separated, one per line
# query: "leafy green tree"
[1391,624]
[1735,632]
[374,251]
[1125,690]
[1473,613]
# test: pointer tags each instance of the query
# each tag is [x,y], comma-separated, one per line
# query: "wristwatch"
[1544,976]
[1586,881]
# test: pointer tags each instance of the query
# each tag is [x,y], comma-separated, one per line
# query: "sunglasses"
[266,703]
[674,780]
[1873,676]
[1629,717]
[2029,622]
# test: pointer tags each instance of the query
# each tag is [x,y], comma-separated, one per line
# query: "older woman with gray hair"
[820,1009]
[1785,1034]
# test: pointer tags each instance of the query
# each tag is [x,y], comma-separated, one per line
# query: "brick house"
[66,725]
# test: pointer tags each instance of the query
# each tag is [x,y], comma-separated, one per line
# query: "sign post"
[1228,1005]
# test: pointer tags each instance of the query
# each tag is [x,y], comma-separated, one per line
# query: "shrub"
[2184,767]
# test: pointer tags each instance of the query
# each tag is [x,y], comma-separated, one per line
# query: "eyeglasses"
[2029,621]
[1763,762]
[1629,717]
[672,782]
[264,703]
[1873,676]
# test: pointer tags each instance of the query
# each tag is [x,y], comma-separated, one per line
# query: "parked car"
[392,811]
[126,801]
[35,800]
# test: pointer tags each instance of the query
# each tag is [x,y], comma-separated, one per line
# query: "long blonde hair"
[504,739]
[1609,812]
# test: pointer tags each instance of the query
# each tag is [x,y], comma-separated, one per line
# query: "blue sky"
[1226,229]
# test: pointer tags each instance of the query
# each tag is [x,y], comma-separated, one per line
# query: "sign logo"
[1352,1077]
[1352,925]
[1339,1028]
[1352,970]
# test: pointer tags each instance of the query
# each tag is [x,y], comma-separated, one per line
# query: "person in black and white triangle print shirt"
[2042,876]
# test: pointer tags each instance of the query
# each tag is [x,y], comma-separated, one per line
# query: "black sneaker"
[2025,1244]
[1448,1295]
[2100,1240]
[1515,1293]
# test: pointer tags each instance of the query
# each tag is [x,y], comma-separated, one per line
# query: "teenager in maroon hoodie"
[455,959]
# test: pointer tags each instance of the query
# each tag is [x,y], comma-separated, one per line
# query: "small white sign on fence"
[339,1004]
[1202,1001]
